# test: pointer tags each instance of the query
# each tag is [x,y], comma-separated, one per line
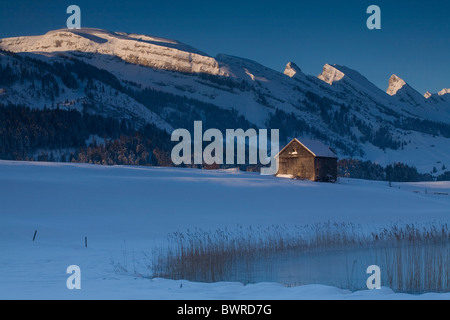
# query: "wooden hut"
[308,159]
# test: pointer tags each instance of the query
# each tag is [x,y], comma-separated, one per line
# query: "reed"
[412,259]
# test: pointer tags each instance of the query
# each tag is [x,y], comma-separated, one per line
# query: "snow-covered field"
[126,211]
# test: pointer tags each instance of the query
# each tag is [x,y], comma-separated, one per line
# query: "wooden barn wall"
[300,165]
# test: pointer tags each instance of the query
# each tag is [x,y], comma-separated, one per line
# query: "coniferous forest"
[64,135]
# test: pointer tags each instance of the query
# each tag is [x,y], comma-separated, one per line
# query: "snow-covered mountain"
[414,102]
[404,92]
[139,49]
[165,82]
[442,97]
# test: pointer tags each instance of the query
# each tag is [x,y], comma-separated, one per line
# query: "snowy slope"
[126,211]
[335,73]
[108,102]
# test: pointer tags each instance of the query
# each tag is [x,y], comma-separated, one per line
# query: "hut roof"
[316,148]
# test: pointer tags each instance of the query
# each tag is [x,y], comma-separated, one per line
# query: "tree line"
[25,132]
[396,172]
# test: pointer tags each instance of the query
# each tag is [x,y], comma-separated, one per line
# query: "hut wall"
[300,165]
[325,169]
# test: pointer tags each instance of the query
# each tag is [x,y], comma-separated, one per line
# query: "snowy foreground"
[126,211]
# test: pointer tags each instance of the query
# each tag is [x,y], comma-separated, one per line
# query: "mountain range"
[169,84]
